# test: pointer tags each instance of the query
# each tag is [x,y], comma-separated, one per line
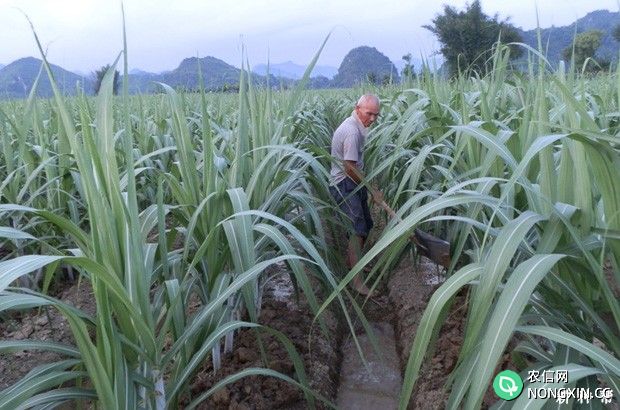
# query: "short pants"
[355,205]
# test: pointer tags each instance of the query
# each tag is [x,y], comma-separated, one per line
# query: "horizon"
[68,31]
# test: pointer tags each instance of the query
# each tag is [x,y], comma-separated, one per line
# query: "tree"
[616,33]
[99,74]
[320,81]
[467,37]
[371,77]
[584,45]
[407,73]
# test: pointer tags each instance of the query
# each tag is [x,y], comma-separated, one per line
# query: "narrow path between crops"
[376,384]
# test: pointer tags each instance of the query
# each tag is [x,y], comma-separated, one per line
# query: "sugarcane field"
[443,236]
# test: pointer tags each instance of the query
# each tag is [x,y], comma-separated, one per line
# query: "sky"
[87,34]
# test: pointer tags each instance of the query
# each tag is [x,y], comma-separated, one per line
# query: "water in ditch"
[376,384]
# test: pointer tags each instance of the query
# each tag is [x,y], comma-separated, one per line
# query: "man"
[347,173]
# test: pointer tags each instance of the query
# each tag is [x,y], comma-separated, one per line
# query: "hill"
[143,82]
[216,74]
[17,79]
[365,64]
[556,39]
[294,71]
[138,71]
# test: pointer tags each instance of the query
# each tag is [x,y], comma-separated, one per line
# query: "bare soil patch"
[45,324]
[321,358]
[410,288]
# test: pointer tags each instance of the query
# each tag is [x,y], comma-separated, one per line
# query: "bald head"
[367,109]
[368,99]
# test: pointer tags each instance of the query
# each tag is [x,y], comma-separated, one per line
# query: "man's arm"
[350,168]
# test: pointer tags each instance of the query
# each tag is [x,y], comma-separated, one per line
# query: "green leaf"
[12,233]
[22,265]
[582,346]
[506,313]
[429,321]
[575,373]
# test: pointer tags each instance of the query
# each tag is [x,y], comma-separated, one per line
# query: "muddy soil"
[319,352]
[45,324]
[280,311]
[410,287]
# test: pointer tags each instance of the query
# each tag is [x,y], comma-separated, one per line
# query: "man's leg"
[354,250]
[355,206]
[363,223]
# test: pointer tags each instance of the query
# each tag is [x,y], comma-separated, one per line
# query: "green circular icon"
[507,385]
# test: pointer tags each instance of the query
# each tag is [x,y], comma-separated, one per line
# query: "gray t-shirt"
[348,144]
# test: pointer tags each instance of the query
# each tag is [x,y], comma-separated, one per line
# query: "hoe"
[434,248]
